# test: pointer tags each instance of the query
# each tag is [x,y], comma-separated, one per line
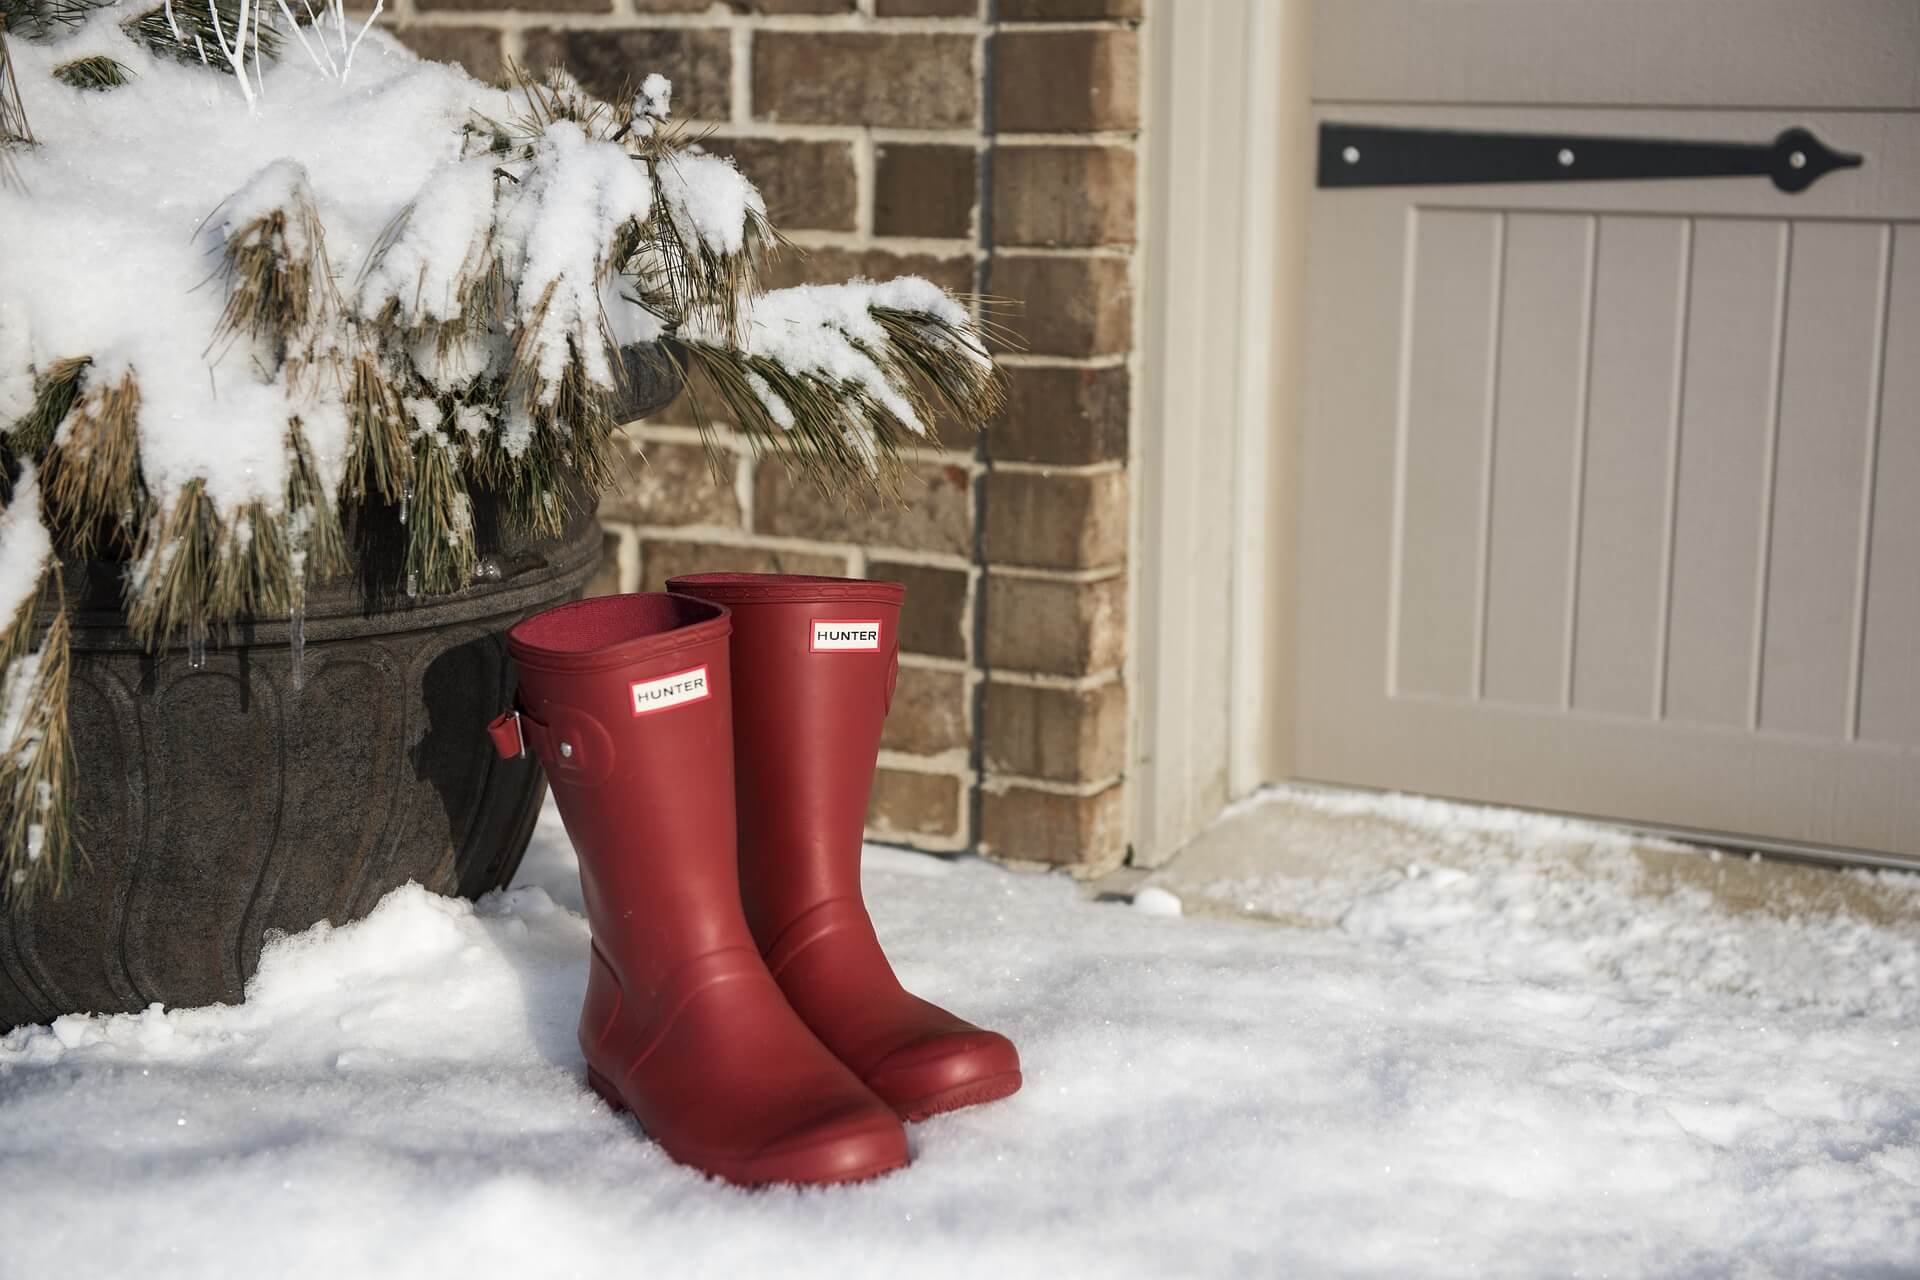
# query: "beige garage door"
[1611,489]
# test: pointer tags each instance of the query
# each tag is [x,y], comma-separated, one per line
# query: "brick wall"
[990,146]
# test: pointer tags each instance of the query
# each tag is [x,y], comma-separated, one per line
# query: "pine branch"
[92,477]
[37,785]
[192,29]
[44,19]
[98,72]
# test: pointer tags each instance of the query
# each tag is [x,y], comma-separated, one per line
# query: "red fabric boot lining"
[741,588]
[610,630]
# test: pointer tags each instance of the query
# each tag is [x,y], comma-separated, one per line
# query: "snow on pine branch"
[577,194]
[822,371]
[223,329]
[26,549]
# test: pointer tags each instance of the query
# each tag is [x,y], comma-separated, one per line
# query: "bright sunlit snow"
[1481,1064]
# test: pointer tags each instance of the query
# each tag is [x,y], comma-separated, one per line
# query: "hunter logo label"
[676,690]
[846,635]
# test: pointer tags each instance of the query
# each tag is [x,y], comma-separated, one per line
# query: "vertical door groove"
[1876,407]
[1403,409]
[1769,459]
[1485,569]
[1583,398]
[1683,306]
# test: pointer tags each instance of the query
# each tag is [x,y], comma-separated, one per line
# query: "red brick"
[606,579]
[1065,81]
[1087,832]
[914,804]
[611,63]
[672,484]
[1056,626]
[929,713]
[475,48]
[901,81]
[934,618]
[831,266]
[927,8]
[807,185]
[663,558]
[924,190]
[1063,195]
[1066,10]
[1057,521]
[1069,306]
[937,514]
[1063,416]
[1060,735]
[533,6]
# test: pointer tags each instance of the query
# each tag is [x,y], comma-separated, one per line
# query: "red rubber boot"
[626,701]
[815,661]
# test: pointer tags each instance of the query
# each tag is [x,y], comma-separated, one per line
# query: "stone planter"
[222,803]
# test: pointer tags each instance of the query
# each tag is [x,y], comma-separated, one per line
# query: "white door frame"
[1224,187]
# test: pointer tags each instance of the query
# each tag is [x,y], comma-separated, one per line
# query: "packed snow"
[1500,1070]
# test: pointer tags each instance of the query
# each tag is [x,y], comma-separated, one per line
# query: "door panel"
[1739,53]
[1450,376]
[1639,317]
[1735,291]
[1888,710]
[1611,488]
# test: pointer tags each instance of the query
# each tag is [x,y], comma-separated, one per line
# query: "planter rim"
[333,616]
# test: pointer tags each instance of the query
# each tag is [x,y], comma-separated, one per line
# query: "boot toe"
[847,1144]
[946,1071]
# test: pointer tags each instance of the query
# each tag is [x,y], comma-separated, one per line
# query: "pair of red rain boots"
[739,1006]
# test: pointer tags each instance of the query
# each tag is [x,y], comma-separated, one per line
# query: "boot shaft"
[627,701]
[815,661]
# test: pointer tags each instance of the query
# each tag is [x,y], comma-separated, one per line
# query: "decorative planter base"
[224,802]
[220,803]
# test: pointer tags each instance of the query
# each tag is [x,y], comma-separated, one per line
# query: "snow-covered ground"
[1483,1063]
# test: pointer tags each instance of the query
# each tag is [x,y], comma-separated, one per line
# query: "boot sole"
[718,1169]
[970,1094]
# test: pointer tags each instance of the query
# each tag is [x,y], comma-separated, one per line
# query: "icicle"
[413,583]
[406,504]
[297,642]
[196,644]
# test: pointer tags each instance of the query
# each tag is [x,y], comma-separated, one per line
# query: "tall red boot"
[627,702]
[814,662]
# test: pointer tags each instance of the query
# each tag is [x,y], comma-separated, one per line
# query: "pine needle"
[43,19]
[54,391]
[93,469]
[197,30]
[379,461]
[37,787]
[14,129]
[278,284]
[98,72]
[177,569]
[315,540]
[440,548]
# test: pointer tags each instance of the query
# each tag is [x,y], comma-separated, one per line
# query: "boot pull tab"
[893,677]
[504,729]
[517,735]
